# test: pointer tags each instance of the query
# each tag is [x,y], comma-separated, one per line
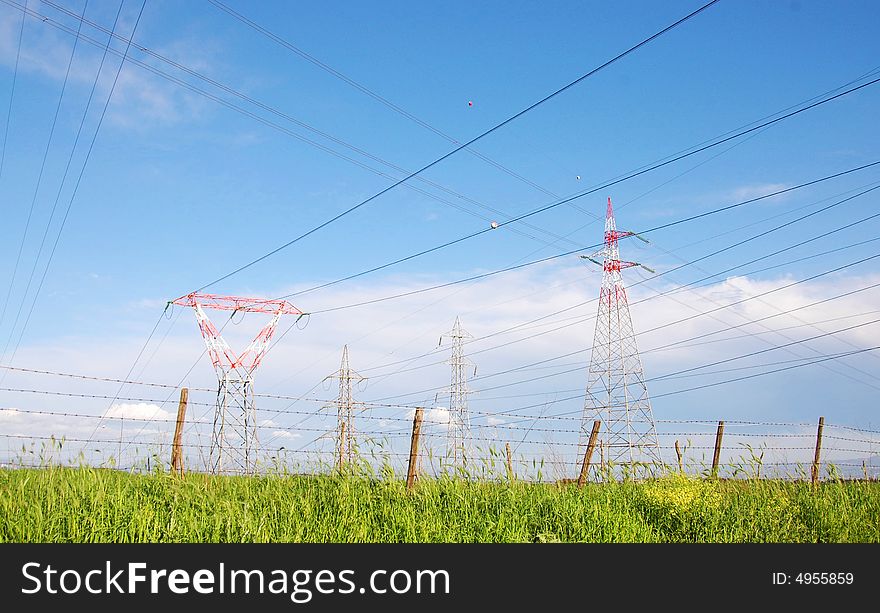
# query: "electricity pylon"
[345,406]
[234,441]
[458,434]
[616,392]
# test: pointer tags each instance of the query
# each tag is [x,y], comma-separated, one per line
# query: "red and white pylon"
[234,442]
[616,392]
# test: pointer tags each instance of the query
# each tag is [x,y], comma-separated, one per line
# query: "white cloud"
[747,192]
[437,415]
[403,329]
[409,328]
[140,98]
[286,434]
[434,416]
[140,410]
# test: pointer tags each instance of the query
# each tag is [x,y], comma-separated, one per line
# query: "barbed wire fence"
[40,426]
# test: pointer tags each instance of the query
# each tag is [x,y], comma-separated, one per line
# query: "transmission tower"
[345,406]
[234,441]
[616,392]
[458,436]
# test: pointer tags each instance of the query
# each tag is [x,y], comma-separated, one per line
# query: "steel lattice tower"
[458,436]
[616,392]
[345,406]
[234,441]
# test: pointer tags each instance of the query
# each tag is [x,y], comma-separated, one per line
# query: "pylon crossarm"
[222,356]
[237,303]
[611,265]
[614,235]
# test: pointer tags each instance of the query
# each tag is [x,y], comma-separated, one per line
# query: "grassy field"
[95,505]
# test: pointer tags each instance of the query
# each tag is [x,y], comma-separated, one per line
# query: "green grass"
[96,505]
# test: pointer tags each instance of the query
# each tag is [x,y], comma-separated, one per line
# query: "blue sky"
[180,190]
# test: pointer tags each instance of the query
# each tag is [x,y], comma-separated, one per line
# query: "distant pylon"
[616,392]
[345,407]
[458,434]
[234,441]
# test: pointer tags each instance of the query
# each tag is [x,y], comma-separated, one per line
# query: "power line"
[27,224]
[362,88]
[749,334]
[560,255]
[522,325]
[724,306]
[692,372]
[770,372]
[774,290]
[77,184]
[590,191]
[276,111]
[117,36]
[186,374]
[681,391]
[762,351]
[685,319]
[6,136]
[11,98]
[58,197]
[379,98]
[817,97]
[106,48]
[709,365]
[578,319]
[287,117]
[823,235]
[790,107]
[681,342]
[788,312]
[460,147]
[672,375]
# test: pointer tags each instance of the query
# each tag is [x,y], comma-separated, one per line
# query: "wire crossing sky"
[432,161]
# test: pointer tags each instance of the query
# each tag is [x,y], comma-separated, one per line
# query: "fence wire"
[299,435]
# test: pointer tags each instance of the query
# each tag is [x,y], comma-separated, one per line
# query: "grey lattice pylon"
[616,391]
[458,434]
[346,447]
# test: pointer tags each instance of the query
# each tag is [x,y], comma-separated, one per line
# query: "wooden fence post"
[678,454]
[341,460]
[509,461]
[585,467]
[176,448]
[815,471]
[414,449]
[718,435]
